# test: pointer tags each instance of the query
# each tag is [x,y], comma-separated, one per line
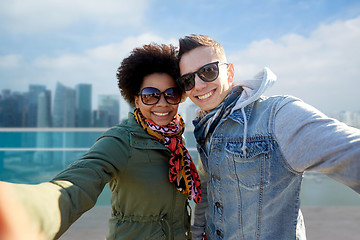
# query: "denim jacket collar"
[238,117]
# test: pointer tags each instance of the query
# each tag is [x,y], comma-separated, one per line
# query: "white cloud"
[111,52]
[99,61]
[11,61]
[40,15]
[96,66]
[65,62]
[323,68]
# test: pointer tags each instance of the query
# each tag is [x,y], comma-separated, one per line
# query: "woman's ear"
[137,99]
[231,72]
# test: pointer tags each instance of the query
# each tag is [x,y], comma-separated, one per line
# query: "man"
[254,150]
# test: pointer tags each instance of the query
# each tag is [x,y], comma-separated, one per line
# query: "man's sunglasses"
[151,96]
[207,73]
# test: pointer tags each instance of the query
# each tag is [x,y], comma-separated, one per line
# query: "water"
[36,155]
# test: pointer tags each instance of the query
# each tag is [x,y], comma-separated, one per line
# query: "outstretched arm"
[311,141]
[15,223]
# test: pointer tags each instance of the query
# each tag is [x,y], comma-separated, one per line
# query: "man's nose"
[199,84]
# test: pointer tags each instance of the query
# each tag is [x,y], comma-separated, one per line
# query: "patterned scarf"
[206,123]
[182,171]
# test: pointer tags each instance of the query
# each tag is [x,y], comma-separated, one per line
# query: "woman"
[149,171]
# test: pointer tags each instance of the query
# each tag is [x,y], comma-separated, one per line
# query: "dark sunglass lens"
[150,95]
[187,81]
[173,95]
[209,72]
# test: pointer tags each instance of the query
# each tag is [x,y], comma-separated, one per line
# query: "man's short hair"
[193,41]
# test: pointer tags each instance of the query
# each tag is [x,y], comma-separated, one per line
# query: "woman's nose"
[162,100]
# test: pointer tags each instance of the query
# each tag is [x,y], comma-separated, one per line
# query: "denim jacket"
[244,190]
[253,161]
[254,194]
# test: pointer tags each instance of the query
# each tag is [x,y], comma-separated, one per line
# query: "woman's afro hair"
[149,59]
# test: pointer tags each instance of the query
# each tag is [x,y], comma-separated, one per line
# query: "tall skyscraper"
[108,111]
[64,115]
[44,109]
[32,104]
[83,105]
[64,109]
[44,139]
[12,109]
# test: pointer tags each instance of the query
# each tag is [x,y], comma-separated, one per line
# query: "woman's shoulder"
[117,131]
[125,130]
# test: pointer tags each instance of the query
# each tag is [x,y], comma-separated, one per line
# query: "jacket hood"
[254,88]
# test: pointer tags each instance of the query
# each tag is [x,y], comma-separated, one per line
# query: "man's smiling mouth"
[205,96]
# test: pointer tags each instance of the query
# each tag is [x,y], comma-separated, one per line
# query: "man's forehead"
[196,58]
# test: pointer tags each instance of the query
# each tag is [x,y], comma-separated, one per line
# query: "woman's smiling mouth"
[161,114]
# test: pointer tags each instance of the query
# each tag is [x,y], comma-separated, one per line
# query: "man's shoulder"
[276,99]
[272,98]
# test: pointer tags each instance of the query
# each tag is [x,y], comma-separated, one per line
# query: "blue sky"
[312,46]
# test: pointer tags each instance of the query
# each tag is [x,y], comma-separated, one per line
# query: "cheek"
[174,110]
[225,82]
[146,111]
[190,94]
[176,107]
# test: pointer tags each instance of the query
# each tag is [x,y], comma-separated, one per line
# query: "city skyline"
[66,107]
[82,97]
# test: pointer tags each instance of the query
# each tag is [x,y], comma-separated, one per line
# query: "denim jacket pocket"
[253,168]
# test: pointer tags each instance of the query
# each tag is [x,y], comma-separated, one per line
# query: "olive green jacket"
[145,205]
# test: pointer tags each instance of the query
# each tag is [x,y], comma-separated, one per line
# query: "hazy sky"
[312,46]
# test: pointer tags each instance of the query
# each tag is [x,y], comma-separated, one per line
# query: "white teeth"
[205,96]
[161,114]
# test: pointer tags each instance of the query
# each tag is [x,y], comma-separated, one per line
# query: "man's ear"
[231,72]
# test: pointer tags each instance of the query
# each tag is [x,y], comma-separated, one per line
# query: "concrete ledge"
[322,222]
[332,222]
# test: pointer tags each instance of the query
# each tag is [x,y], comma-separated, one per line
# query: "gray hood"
[254,88]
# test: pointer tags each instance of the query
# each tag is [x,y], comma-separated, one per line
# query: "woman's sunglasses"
[151,96]
[207,73]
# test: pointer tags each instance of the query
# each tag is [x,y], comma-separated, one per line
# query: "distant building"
[64,108]
[83,105]
[44,109]
[12,109]
[125,108]
[100,118]
[32,104]
[108,111]
[349,117]
[44,139]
